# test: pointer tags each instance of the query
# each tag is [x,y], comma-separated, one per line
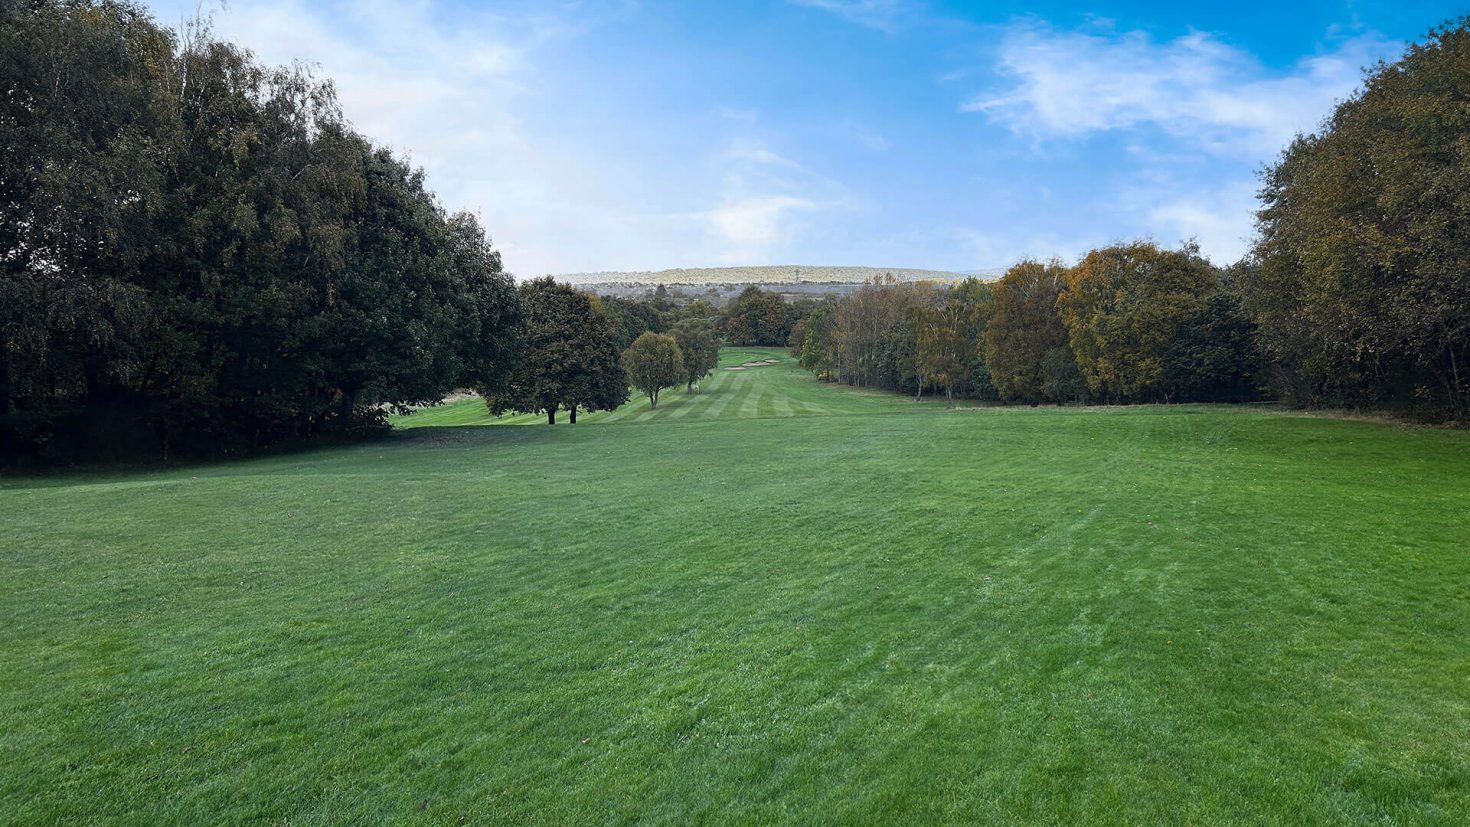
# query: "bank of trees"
[1026,345]
[200,255]
[912,338]
[1360,281]
[1148,324]
[1128,323]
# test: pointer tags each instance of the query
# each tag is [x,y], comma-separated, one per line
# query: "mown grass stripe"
[635,404]
[650,413]
[783,405]
[691,402]
[749,401]
[743,405]
[766,406]
[728,392]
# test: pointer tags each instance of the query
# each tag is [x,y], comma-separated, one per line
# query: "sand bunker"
[763,363]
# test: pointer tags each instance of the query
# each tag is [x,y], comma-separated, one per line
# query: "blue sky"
[644,135]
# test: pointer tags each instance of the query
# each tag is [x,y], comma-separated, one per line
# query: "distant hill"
[775,274]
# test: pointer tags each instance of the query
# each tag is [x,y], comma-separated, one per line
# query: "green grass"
[892,612]
[779,390]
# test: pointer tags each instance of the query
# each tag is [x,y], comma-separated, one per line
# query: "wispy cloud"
[1196,87]
[866,137]
[997,250]
[752,225]
[765,198]
[758,155]
[1222,219]
[875,14]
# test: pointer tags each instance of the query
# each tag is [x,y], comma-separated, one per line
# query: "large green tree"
[85,120]
[200,255]
[567,359]
[1360,280]
[817,342]
[1124,305]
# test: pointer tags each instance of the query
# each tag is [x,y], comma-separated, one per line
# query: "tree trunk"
[1454,371]
[653,400]
[572,415]
[551,415]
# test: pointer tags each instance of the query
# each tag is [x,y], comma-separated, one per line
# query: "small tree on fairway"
[700,349]
[653,363]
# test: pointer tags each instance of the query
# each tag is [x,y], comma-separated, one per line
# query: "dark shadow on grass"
[65,473]
[288,459]
[458,436]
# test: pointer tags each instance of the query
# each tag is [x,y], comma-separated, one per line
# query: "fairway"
[772,601]
[733,391]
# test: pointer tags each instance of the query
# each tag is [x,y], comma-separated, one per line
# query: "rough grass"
[896,613]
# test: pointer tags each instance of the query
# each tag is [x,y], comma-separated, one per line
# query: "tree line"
[1360,280]
[754,317]
[1128,323]
[1356,291]
[200,255]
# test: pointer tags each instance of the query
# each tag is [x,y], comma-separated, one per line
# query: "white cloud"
[1221,219]
[753,224]
[756,153]
[765,194]
[1218,98]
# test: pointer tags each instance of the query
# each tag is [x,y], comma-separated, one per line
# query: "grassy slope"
[1185,615]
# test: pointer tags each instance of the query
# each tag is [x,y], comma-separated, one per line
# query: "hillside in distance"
[772,274]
